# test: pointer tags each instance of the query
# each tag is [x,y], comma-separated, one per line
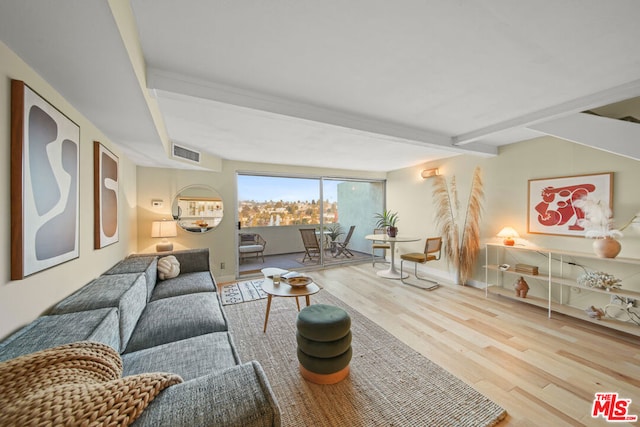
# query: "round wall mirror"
[197,208]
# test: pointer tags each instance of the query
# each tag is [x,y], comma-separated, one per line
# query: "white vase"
[606,247]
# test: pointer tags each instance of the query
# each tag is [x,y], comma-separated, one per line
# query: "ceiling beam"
[185,85]
[125,21]
[613,136]
[598,99]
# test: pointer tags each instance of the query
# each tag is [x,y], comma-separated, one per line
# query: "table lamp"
[508,233]
[164,229]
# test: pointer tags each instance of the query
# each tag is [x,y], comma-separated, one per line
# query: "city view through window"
[280,201]
[286,204]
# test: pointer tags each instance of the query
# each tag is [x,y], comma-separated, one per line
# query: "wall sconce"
[508,233]
[164,229]
[428,173]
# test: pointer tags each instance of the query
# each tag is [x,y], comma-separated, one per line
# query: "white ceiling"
[358,84]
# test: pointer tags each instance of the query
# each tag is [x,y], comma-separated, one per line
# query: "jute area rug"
[389,385]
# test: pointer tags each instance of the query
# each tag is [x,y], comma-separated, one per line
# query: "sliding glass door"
[353,203]
[278,207]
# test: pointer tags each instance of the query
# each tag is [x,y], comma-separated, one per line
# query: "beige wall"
[160,183]
[23,300]
[505,184]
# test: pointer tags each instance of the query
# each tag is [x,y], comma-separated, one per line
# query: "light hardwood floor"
[543,371]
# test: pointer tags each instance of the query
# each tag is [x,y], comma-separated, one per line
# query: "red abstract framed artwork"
[45,184]
[551,208]
[105,196]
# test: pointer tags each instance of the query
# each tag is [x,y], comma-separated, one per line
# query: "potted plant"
[387,219]
[598,224]
[334,231]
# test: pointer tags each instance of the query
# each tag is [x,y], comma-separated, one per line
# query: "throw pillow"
[168,267]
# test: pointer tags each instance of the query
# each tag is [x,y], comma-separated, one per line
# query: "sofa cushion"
[189,283]
[177,318]
[127,292]
[192,260]
[147,264]
[50,331]
[189,358]
[238,396]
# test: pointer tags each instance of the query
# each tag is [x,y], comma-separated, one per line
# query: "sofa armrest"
[238,396]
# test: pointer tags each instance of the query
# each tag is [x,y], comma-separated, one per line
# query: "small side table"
[284,290]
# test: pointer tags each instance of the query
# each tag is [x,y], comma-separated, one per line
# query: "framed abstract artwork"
[105,196]
[551,208]
[45,175]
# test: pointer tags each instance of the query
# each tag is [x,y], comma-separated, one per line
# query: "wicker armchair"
[250,244]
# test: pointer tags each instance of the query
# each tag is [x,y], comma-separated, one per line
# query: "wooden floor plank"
[542,371]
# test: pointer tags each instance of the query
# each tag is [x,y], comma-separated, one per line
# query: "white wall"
[22,301]
[160,183]
[506,184]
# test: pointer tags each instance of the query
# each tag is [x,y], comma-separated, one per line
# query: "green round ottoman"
[324,343]
[324,349]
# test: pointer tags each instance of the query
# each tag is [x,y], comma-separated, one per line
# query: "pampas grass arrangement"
[461,250]
[597,220]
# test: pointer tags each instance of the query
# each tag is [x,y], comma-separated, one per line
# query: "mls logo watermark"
[612,408]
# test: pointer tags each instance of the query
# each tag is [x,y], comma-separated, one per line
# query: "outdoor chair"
[379,245]
[311,245]
[432,252]
[341,247]
[251,244]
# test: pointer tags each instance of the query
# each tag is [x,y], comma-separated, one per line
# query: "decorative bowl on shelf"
[298,281]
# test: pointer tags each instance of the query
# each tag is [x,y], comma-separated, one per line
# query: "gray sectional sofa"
[176,325]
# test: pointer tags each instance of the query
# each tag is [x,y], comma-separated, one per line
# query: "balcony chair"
[341,247]
[432,252]
[379,245]
[310,241]
[250,244]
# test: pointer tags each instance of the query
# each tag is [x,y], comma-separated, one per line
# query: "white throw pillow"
[168,267]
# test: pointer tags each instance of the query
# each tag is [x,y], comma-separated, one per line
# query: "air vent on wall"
[186,153]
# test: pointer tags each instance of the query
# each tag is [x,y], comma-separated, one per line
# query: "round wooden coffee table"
[284,290]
